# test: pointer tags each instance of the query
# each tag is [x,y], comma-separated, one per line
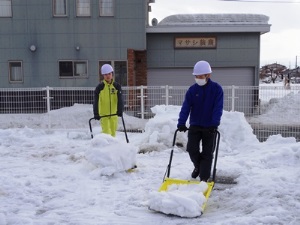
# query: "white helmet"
[202,67]
[106,68]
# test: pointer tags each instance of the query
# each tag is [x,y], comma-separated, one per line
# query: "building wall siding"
[99,38]
[232,50]
[106,39]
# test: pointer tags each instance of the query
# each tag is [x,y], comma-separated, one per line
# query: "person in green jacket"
[108,101]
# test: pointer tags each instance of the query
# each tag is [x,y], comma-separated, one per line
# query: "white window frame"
[106,8]
[15,72]
[5,8]
[74,72]
[60,5]
[83,8]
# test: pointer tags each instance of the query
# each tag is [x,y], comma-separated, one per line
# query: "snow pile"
[184,200]
[240,133]
[159,129]
[76,115]
[285,109]
[109,155]
[162,126]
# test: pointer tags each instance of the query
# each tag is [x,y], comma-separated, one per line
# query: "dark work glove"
[96,117]
[182,128]
[212,130]
[120,114]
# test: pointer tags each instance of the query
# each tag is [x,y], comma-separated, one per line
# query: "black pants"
[201,159]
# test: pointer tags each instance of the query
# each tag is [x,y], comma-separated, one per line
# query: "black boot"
[195,173]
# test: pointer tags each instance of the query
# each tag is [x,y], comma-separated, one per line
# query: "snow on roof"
[197,19]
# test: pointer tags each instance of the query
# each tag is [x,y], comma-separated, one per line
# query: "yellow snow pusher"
[167,181]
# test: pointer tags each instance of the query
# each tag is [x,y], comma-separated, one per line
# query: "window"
[15,72]
[59,7]
[120,68]
[83,7]
[5,8]
[120,71]
[80,69]
[106,7]
[73,69]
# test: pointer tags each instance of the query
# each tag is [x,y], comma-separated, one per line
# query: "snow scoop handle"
[127,140]
[167,173]
[90,123]
[215,150]
[108,115]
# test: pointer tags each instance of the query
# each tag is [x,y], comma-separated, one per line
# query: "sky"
[280,45]
[64,177]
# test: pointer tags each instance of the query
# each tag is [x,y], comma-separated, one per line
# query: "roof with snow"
[180,23]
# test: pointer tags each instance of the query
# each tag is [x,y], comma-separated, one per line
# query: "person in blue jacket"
[203,103]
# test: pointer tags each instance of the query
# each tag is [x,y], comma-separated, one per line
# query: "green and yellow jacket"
[108,99]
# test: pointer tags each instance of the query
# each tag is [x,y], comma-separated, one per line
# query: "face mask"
[200,82]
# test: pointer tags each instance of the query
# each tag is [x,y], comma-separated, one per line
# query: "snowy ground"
[55,177]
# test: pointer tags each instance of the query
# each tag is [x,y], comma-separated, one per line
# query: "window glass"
[106,7]
[65,69]
[15,72]
[73,68]
[83,7]
[120,68]
[80,69]
[5,8]
[59,7]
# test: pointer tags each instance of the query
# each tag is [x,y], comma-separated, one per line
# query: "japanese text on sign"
[195,42]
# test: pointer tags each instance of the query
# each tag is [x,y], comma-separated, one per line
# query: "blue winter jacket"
[204,105]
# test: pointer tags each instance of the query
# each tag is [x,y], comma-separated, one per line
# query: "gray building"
[63,43]
[230,42]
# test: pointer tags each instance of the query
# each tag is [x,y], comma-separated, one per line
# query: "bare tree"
[273,71]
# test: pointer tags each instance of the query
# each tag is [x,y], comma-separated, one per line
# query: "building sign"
[195,42]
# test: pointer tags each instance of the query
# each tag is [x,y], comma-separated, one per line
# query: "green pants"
[109,125]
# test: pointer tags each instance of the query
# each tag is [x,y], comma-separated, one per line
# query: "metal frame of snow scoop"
[167,181]
[91,130]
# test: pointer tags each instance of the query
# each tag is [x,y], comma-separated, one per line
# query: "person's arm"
[185,110]
[218,107]
[120,107]
[96,101]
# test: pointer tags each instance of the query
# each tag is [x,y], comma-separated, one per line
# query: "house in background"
[64,43]
[230,42]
